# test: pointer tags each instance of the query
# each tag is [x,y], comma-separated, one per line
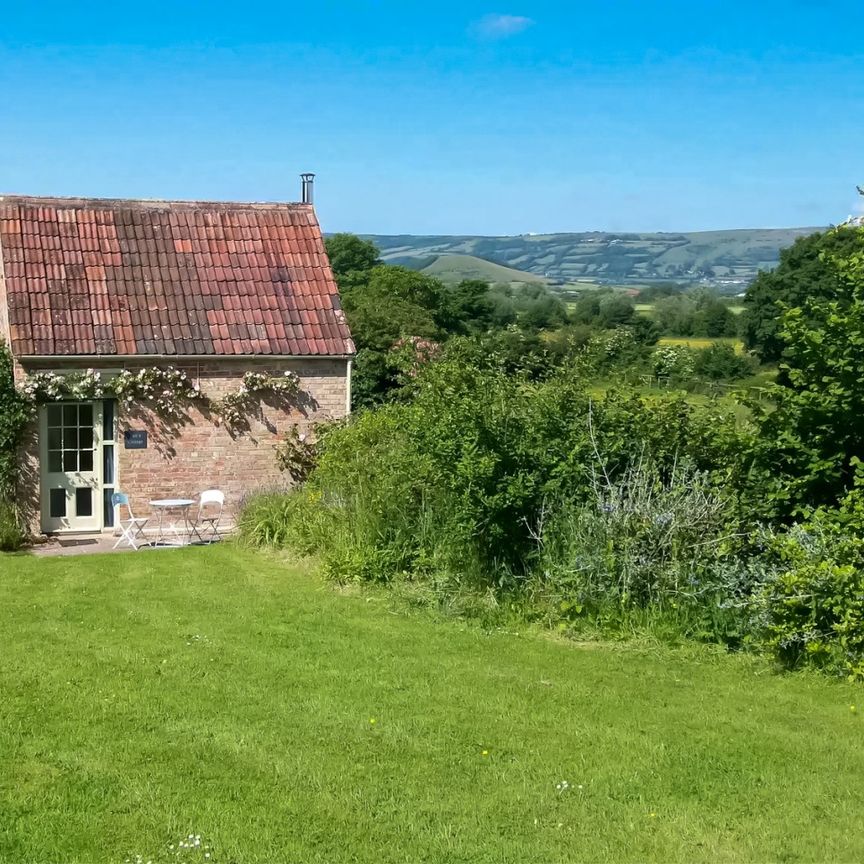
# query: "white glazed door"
[71,466]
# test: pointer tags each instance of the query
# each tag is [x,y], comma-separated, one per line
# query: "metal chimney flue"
[307,189]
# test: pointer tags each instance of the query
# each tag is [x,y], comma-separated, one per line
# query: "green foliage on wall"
[15,414]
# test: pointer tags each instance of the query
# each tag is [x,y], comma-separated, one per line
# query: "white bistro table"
[176,508]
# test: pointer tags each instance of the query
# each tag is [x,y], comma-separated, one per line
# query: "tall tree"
[469,307]
[805,272]
[388,305]
[350,258]
[813,436]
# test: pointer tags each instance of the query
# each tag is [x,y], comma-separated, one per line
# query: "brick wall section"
[200,454]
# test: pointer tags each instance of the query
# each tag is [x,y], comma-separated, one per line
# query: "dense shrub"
[811,434]
[720,362]
[810,609]
[674,362]
[457,480]
[696,313]
[647,540]
[619,350]
[805,274]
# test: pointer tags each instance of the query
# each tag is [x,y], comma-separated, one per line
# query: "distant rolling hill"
[454,268]
[727,259]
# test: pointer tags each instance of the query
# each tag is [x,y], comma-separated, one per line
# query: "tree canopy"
[391,308]
[349,255]
[806,272]
[812,441]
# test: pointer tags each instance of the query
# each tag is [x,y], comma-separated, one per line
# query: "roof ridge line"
[145,203]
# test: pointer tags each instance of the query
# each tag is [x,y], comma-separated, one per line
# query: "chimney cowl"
[306,189]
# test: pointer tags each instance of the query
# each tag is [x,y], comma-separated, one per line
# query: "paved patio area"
[87,544]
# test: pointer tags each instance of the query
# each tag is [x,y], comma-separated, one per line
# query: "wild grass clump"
[646,540]
[282,520]
[268,519]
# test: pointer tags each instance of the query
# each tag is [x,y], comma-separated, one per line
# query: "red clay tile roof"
[93,276]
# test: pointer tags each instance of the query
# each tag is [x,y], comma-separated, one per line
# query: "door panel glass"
[74,435]
[83,501]
[108,507]
[58,503]
[108,420]
[108,464]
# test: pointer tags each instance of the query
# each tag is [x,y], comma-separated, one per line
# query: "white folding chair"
[132,529]
[210,505]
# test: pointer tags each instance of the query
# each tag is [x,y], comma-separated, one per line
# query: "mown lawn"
[220,693]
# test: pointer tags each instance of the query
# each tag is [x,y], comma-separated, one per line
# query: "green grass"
[648,309]
[223,693]
[702,341]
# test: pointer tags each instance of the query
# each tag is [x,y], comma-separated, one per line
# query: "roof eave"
[103,358]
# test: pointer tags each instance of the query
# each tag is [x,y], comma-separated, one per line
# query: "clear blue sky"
[446,117]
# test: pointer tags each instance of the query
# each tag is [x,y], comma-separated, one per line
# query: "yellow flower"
[372,720]
[485,753]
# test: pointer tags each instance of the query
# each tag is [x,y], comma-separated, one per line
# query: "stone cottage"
[224,302]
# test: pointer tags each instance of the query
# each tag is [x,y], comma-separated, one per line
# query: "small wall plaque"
[135,439]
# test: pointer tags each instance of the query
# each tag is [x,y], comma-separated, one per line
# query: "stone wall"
[184,459]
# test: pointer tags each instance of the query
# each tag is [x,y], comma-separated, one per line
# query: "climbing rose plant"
[235,407]
[168,391]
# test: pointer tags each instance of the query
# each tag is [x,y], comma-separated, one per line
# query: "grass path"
[220,693]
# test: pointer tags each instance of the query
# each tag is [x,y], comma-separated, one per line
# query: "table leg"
[160,538]
[173,528]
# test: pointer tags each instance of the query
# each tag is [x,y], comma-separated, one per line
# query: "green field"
[455,268]
[223,694]
[702,342]
[648,309]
